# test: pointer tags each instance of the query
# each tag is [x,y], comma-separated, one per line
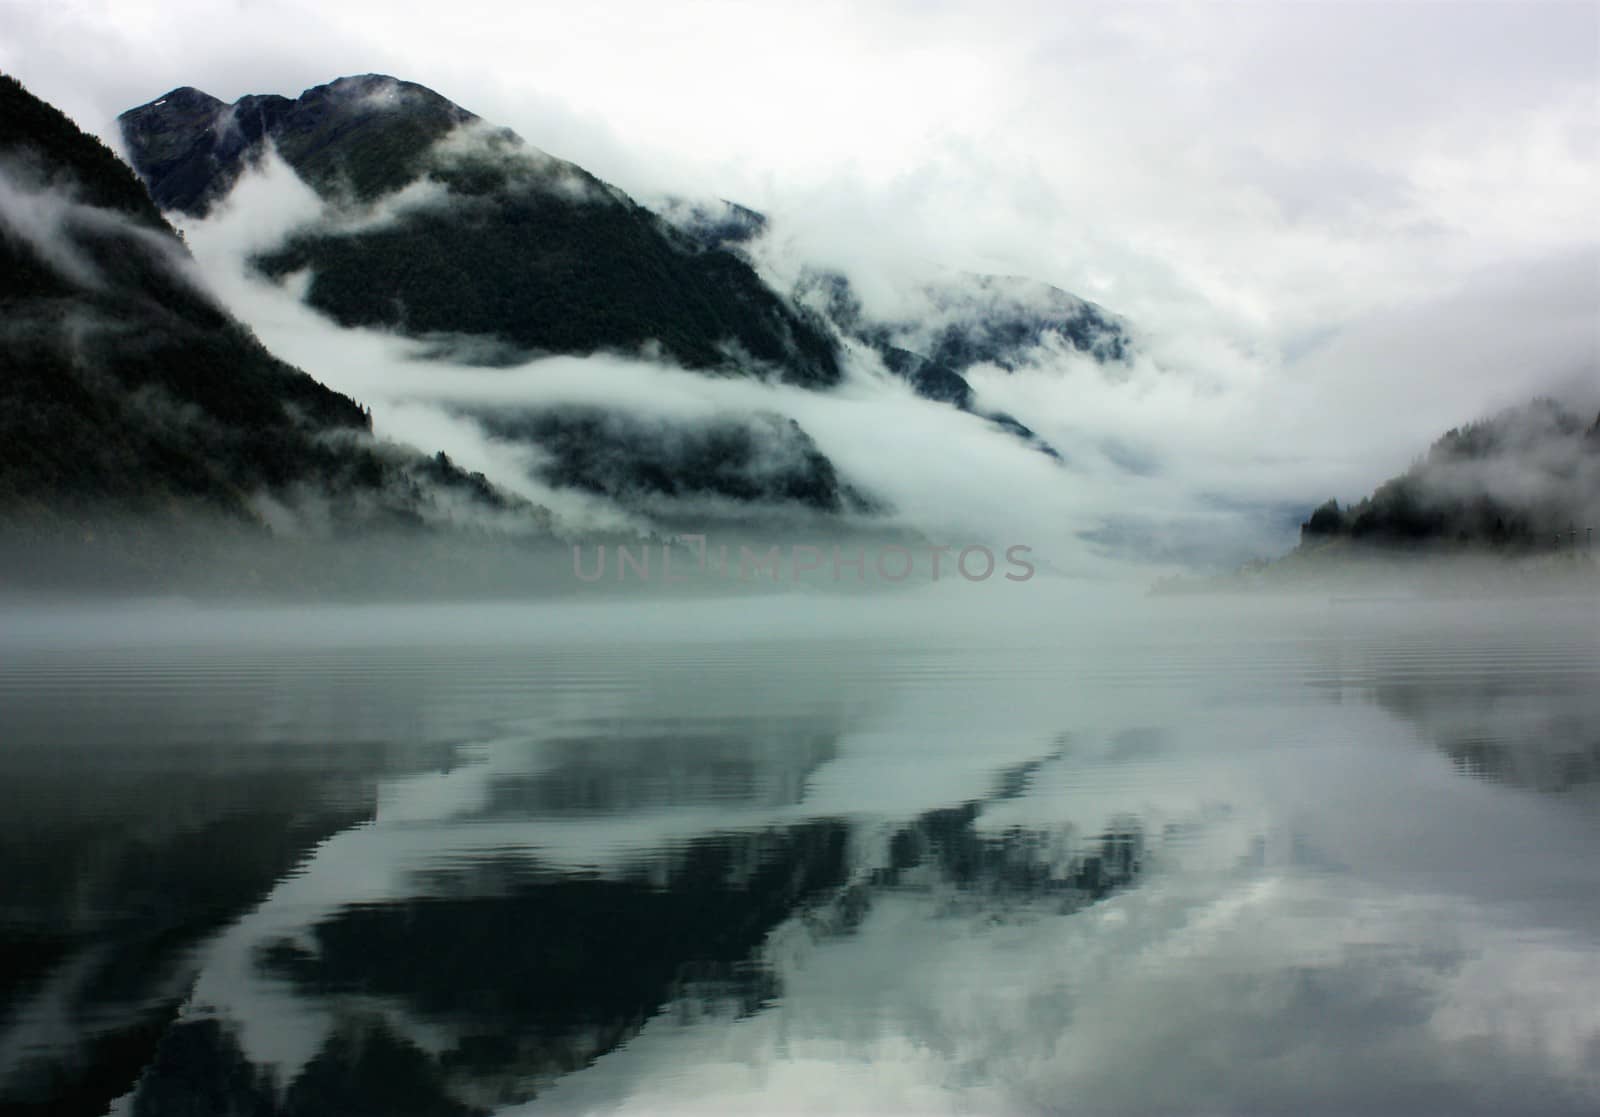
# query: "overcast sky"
[1357,223]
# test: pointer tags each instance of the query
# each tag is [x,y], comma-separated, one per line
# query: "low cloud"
[1194,449]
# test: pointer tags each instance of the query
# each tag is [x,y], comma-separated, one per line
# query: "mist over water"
[964,847]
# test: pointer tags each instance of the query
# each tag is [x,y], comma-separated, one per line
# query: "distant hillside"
[129,394]
[439,224]
[667,471]
[966,319]
[1501,505]
[1526,478]
[963,319]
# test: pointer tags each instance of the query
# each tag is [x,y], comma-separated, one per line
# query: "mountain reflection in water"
[1147,865]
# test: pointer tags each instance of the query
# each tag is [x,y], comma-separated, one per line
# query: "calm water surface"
[913,855]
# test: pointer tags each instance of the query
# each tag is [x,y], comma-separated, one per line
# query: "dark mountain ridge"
[130,396]
[531,250]
[347,136]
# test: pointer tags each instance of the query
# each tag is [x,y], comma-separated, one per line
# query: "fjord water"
[966,848]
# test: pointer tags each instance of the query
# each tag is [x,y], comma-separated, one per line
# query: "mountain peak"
[381,87]
[369,95]
[183,97]
[365,133]
[532,253]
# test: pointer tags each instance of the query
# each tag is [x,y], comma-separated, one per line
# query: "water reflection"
[132,833]
[610,768]
[882,875]
[490,972]
[1519,731]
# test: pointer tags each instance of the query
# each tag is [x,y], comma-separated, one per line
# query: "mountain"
[723,468]
[714,224]
[1527,478]
[965,319]
[968,319]
[130,396]
[438,224]
[1505,504]
[443,227]
[962,318]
